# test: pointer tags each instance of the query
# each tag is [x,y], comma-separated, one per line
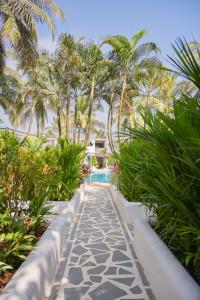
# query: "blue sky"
[95,19]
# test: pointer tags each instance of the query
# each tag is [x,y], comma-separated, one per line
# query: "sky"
[164,20]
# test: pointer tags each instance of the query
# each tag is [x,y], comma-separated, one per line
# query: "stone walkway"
[99,261]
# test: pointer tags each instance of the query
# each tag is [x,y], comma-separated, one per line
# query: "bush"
[30,175]
[161,168]
[69,163]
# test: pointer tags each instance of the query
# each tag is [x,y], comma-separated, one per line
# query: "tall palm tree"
[68,62]
[18,27]
[130,58]
[32,105]
[94,70]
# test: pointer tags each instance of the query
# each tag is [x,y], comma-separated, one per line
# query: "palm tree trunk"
[79,133]
[38,128]
[75,121]
[120,107]
[87,134]
[67,119]
[30,121]
[59,122]
[109,123]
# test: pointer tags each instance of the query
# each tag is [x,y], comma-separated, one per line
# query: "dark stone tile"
[75,293]
[101,246]
[120,247]
[107,291]
[123,271]
[94,240]
[97,251]
[136,290]
[89,264]
[83,225]
[126,264]
[84,239]
[127,281]
[79,250]
[111,271]
[97,270]
[96,279]
[77,242]
[74,259]
[86,256]
[119,256]
[110,240]
[98,234]
[106,230]
[82,260]
[100,259]
[75,275]
[115,233]
[88,282]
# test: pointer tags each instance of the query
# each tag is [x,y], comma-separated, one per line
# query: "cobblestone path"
[99,261]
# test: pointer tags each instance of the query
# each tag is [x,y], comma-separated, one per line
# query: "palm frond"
[187,64]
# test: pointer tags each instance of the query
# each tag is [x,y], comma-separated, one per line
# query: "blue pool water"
[99,177]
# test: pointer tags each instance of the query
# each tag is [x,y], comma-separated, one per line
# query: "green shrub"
[132,162]
[94,161]
[161,167]
[70,157]
[31,174]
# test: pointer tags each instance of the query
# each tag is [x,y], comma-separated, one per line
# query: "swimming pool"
[99,177]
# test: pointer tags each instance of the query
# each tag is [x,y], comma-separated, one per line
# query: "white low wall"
[169,280]
[66,209]
[34,278]
[129,210]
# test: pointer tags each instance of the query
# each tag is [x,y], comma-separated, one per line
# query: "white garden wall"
[169,279]
[129,210]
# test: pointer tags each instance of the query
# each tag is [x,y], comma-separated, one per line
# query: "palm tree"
[32,105]
[94,70]
[130,59]
[68,62]
[18,27]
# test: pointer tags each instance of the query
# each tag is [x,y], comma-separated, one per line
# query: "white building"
[98,148]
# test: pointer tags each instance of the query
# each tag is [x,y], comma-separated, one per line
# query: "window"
[99,145]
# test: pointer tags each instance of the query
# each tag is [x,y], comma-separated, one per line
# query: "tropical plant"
[94,70]
[130,60]
[18,27]
[70,157]
[94,161]
[160,167]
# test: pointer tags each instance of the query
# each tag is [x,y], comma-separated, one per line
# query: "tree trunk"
[75,121]
[30,121]
[109,123]
[79,133]
[67,119]
[87,134]
[38,128]
[120,108]
[59,122]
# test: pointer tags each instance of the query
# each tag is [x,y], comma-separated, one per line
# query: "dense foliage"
[30,175]
[160,167]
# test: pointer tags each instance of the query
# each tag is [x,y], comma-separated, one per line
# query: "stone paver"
[100,262]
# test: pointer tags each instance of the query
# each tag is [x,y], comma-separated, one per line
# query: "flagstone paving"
[99,260]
